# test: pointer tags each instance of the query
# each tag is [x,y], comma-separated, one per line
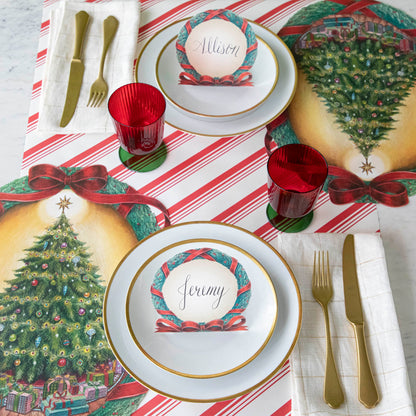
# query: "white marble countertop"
[18,55]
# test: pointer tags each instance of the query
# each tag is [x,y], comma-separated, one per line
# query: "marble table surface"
[18,55]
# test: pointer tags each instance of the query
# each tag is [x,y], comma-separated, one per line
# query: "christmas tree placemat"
[63,233]
[356,97]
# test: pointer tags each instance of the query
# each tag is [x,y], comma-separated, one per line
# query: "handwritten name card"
[201,289]
[216,47]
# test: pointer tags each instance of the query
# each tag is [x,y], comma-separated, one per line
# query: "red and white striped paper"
[203,178]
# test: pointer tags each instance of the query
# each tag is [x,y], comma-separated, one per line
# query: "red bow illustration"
[48,180]
[348,187]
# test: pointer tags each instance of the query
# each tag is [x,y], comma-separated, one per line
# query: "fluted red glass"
[296,175]
[138,113]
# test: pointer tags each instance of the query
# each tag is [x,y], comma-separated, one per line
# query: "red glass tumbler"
[296,175]
[138,112]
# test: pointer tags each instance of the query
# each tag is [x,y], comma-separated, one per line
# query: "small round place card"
[201,308]
[216,47]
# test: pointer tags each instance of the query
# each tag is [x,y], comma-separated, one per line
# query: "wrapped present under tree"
[21,401]
[103,374]
[60,384]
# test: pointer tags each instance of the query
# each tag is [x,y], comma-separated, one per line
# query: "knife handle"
[81,23]
[367,390]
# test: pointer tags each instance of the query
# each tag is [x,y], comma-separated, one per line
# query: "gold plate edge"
[272,373]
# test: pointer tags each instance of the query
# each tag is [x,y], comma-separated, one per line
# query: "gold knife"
[367,390]
[77,69]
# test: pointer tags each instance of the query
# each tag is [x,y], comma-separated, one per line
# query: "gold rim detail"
[204,241]
[232,396]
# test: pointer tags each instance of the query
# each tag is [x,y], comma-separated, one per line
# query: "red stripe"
[233,211]
[45,24]
[344,214]
[36,86]
[247,399]
[217,407]
[212,188]
[276,10]
[84,155]
[117,171]
[193,164]
[182,10]
[243,401]
[157,401]
[284,410]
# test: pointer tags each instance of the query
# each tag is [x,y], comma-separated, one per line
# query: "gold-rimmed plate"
[217,103]
[201,308]
[281,96]
[256,372]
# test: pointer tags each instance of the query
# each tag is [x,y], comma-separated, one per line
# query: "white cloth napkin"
[383,338]
[118,67]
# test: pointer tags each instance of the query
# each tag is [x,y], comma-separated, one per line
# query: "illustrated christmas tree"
[51,312]
[363,81]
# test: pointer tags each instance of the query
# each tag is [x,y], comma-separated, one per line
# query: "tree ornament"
[64,245]
[38,341]
[1,327]
[65,290]
[87,294]
[18,310]
[38,314]
[34,282]
[57,318]
[12,338]
[66,343]
[14,287]
[17,363]
[62,259]
[91,332]
[45,245]
[81,311]
[76,260]
[44,266]
[61,362]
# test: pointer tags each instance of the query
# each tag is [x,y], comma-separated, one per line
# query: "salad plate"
[217,102]
[201,308]
[269,360]
[280,97]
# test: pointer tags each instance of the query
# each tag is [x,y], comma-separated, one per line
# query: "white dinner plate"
[273,106]
[238,382]
[200,281]
[214,102]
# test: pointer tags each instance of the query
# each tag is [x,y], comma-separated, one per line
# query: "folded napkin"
[118,67]
[383,338]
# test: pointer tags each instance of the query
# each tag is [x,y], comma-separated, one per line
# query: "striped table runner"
[203,178]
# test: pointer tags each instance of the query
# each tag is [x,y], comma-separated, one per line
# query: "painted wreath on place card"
[207,290]
[216,47]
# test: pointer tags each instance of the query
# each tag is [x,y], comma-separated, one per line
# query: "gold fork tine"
[322,292]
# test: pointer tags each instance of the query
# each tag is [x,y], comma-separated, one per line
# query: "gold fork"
[99,89]
[322,292]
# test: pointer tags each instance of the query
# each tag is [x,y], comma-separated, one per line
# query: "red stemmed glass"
[296,175]
[138,113]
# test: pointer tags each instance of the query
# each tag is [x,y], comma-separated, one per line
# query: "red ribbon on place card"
[236,323]
[243,79]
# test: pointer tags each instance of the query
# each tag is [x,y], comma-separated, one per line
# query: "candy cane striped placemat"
[203,178]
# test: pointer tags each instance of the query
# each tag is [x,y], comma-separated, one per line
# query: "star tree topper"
[64,203]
